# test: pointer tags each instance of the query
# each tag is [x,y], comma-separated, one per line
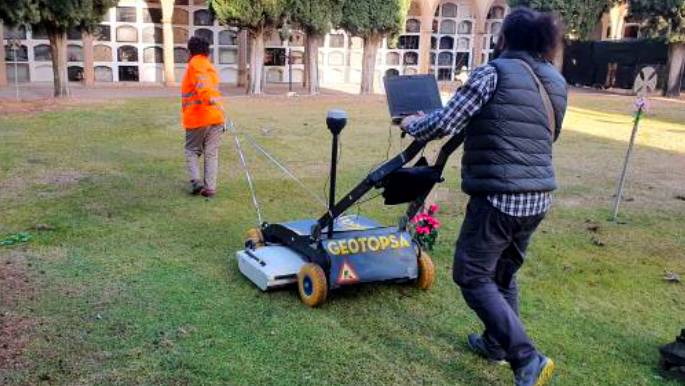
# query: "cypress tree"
[259,18]
[315,18]
[372,20]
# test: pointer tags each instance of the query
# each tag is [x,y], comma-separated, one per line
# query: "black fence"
[613,64]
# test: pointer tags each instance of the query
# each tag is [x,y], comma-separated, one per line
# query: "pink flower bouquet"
[425,227]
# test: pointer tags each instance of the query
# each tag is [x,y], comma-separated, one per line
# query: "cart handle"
[375,178]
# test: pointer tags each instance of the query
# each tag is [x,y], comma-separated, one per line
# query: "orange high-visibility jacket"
[199,93]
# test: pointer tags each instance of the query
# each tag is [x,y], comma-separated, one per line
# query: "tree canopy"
[367,18]
[249,14]
[55,15]
[315,16]
[259,17]
[665,18]
[580,16]
[372,20]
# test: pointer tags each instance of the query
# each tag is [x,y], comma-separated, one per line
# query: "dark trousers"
[490,250]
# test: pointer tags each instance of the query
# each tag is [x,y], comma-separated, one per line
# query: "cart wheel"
[312,284]
[254,238]
[426,272]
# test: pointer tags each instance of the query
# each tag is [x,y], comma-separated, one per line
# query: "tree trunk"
[58,46]
[676,66]
[305,79]
[371,44]
[168,53]
[88,60]
[257,62]
[617,17]
[313,64]
[243,41]
[168,42]
[3,66]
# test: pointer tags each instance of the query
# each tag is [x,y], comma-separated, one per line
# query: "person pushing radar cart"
[511,112]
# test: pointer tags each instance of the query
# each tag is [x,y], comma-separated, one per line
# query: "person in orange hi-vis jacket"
[203,118]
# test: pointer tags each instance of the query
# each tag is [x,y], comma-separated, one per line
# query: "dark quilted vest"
[508,146]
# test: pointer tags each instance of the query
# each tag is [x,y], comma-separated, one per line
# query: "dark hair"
[531,31]
[198,46]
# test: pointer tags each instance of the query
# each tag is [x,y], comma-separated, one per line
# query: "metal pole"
[16,72]
[290,69]
[624,172]
[334,167]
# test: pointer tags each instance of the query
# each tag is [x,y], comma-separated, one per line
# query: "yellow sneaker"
[538,372]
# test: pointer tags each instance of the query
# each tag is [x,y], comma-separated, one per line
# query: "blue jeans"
[490,251]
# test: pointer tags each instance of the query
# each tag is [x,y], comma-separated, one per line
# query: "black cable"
[369,199]
[387,152]
[387,157]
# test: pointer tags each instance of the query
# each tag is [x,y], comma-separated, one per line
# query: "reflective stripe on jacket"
[199,89]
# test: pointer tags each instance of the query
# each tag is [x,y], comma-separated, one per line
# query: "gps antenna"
[336,121]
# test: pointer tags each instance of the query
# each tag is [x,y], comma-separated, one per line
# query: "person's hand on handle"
[407,121]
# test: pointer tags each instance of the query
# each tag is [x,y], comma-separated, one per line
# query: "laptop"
[409,94]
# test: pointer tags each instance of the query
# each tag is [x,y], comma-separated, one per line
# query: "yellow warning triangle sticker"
[347,274]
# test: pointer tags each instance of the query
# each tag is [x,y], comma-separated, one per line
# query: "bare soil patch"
[43,105]
[57,180]
[15,330]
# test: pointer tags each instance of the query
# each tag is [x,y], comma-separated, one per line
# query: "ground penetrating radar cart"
[338,249]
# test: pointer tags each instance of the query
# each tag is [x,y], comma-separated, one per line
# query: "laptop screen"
[407,95]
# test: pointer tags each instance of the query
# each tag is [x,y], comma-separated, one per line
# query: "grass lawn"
[133,282]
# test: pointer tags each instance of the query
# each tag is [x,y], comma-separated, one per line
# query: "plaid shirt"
[466,103]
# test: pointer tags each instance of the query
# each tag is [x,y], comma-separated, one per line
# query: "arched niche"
[449,10]
[446,43]
[445,59]
[448,27]
[104,74]
[74,53]
[413,26]
[102,53]
[127,34]
[392,59]
[42,53]
[181,17]
[127,54]
[181,35]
